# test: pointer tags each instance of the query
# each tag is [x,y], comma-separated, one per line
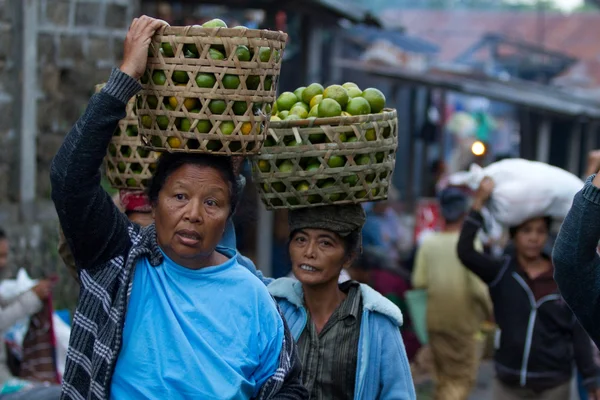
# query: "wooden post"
[543,142]
[264,240]
[574,161]
[28,106]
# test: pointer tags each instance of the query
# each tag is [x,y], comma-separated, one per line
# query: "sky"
[566,5]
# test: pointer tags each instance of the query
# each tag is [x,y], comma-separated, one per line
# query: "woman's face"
[318,256]
[191,213]
[531,237]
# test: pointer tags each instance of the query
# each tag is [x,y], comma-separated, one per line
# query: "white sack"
[523,189]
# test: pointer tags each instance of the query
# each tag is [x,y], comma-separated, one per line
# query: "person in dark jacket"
[164,311]
[539,338]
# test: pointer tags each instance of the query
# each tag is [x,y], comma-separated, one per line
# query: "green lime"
[185,125]
[303,105]
[143,152]
[300,112]
[264,54]
[370,135]
[336,161]
[379,157]
[363,160]
[214,145]
[329,108]
[152,102]
[215,23]
[351,180]
[315,100]
[313,167]
[264,166]
[375,98]
[286,101]
[217,106]
[350,85]
[292,117]
[215,54]
[126,151]
[298,92]
[314,112]
[286,166]
[268,83]
[337,93]
[231,81]
[327,184]
[317,138]
[156,141]
[283,114]
[242,53]
[354,92]
[302,186]
[311,91]
[144,79]
[121,167]
[358,106]
[147,121]
[204,126]
[167,49]
[204,80]
[227,127]
[253,82]
[190,51]
[240,107]
[180,77]
[132,130]
[278,187]
[162,121]
[136,168]
[131,182]
[159,77]
[352,139]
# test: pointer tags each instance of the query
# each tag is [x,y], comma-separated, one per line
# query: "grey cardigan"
[106,248]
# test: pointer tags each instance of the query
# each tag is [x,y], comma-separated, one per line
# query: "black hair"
[2,234]
[514,229]
[171,162]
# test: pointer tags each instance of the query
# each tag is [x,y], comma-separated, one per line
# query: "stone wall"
[79,41]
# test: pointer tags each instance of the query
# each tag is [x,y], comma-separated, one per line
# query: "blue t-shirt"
[213,333]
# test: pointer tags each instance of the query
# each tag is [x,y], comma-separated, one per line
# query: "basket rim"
[197,30]
[386,114]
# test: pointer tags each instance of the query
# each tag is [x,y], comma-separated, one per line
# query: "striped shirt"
[329,357]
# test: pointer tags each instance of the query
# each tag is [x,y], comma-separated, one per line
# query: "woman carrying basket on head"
[164,311]
[539,338]
[348,334]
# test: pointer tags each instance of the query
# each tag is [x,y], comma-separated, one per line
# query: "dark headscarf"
[343,220]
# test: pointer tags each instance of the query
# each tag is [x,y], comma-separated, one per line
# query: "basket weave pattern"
[329,166]
[209,89]
[128,165]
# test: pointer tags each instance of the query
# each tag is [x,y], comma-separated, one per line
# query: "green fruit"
[268,83]
[204,126]
[278,187]
[358,106]
[162,121]
[363,160]
[242,53]
[167,49]
[370,135]
[303,105]
[300,112]
[131,130]
[240,107]
[375,98]
[313,167]
[336,161]
[152,102]
[227,127]
[337,93]
[351,180]
[286,166]
[286,101]
[314,112]
[143,152]
[354,92]
[379,157]
[217,106]
[253,82]
[215,54]
[190,51]
[215,23]
[214,145]
[185,125]
[311,91]
[159,77]
[156,141]
[298,92]
[329,108]
[264,166]
[317,138]
[283,114]
[352,139]
[327,184]
[180,77]
[350,85]
[264,54]
[292,117]
[231,81]
[204,80]
[131,182]
[121,167]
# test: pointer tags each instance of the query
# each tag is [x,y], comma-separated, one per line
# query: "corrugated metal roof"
[576,35]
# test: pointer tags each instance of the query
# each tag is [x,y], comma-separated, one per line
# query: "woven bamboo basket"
[209,89]
[323,161]
[128,164]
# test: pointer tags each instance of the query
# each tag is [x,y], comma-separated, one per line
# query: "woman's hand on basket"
[135,54]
